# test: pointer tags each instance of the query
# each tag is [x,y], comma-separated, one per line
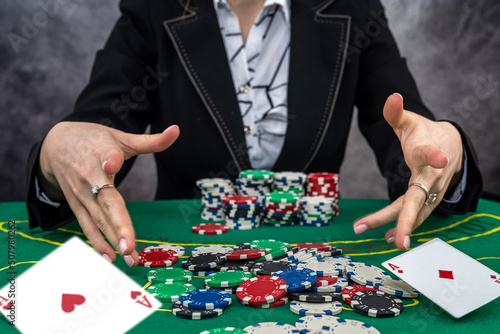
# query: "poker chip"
[337,287]
[230,278]
[169,275]
[340,325]
[239,199]
[315,297]
[256,174]
[270,267]
[231,290]
[210,229]
[364,273]
[237,265]
[315,246]
[376,304]
[224,330]
[203,261]
[325,280]
[269,244]
[157,257]
[271,255]
[261,290]
[348,291]
[179,250]
[212,189]
[244,254]
[213,182]
[245,245]
[340,259]
[206,299]
[280,302]
[397,288]
[281,197]
[297,278]
[271,327]
[306,308]
[211,249]
[314,323]
[323,268]
[169,292]
[188,313]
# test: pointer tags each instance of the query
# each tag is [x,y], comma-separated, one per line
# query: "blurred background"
[452,49]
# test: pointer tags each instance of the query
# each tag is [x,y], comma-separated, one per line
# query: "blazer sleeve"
[383,72]
[120,94]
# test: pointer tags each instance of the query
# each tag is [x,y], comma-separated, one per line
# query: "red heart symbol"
[7,306]
[69,302]
[135,294]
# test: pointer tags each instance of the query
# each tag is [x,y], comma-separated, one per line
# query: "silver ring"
[95,189]
[429,198]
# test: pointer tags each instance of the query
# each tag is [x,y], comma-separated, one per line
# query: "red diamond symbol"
[400,271]
[493,276]
[446,274]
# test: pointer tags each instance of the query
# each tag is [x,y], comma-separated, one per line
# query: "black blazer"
[165,65]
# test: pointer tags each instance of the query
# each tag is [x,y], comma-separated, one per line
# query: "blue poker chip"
[297,279]
[203,273]
[206,299]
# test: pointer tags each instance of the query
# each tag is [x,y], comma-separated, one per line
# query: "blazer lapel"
[200,47]
[318,51]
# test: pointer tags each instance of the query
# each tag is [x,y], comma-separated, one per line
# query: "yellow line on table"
[18,263]
[488,258]
[28,236]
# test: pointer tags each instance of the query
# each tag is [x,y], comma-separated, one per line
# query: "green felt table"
[476,234]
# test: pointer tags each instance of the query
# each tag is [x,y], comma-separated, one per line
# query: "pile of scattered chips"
[254,182]
[290,182]
[212,191]
[242,212]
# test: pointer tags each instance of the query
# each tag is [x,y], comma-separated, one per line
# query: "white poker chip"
[364,273]
[348,326]
[271,328]
[323,268]
[213,182]
[211,249]
[306,308]
[344,259]
[314,323]
[397,287]
[179,250]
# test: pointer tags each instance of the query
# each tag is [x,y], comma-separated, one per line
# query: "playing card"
[448,277]
[74,290]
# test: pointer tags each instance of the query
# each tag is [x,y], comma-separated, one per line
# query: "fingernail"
[168,128]
[360,228]
[391,240]
[106,257]
[400,96]
[406,243]
[129,260]
[123,246]
[104,164]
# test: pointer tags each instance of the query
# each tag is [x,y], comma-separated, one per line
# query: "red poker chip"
[283,212]
[326,280]
[283,207]
[239,199]
[281,302]
[261,290]
[349,291]
[244,254]
[322,247]
[210,228]
[323,177]
[157,257]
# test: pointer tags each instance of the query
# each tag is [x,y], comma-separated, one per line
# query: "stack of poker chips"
[242,212]
[290,181]
[212,191]
[280,209]
[324,184]
[256,183]
[316,211]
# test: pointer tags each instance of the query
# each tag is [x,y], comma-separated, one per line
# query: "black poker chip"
[245,245]
[271,267]
[244,265]
[204,261]
[231,290]
[315,297]
[351,282]
[189,313]
[335,251]
[376,304]
[290,252]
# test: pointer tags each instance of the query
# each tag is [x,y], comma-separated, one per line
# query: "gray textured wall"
[452,48]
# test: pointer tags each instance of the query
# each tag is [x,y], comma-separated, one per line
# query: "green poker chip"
[257,174]
[229,278]
[169,292]
[269,244]
[278,197]
[233,330]
[271,255]
[169,275]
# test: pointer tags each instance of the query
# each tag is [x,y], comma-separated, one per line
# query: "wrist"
[47,181]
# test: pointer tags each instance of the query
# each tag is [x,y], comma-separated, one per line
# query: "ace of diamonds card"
[74,290]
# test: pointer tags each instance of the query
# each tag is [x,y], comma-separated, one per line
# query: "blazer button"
[245,88]
[248,129]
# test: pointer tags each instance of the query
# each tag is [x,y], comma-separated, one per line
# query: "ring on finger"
[429,198]
[95,189]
